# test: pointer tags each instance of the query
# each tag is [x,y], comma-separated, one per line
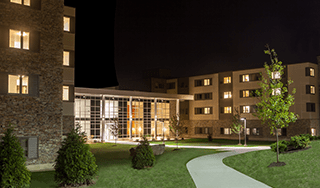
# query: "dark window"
[171,85]
[284,132]
[311,107]
[203,96]
[198,83]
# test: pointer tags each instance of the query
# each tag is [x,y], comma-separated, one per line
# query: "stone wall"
[302,126]
[40,115]
[68,124]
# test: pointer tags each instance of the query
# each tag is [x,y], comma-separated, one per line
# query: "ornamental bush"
[144,155]
[13,172]
[75,164]
[283,146]
[300,142]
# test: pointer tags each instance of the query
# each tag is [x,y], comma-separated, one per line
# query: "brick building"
[37,75]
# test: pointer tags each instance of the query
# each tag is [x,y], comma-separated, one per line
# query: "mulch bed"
[292,149]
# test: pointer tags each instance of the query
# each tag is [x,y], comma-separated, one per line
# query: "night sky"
[190,37]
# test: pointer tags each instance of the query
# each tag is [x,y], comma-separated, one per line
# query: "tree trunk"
[239,139]
[277,146]
[177,137]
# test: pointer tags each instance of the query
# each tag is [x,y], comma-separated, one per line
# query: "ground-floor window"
[203,130]
[225,130]
[256,131]
[313,132]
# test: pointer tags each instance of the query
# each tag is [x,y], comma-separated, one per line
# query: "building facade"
[216,96]
[37,75]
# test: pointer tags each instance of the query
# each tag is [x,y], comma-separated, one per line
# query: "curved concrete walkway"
[209,171]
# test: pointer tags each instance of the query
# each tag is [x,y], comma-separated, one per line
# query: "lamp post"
[245,131]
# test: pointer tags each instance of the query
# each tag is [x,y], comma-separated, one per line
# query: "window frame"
[63,93]
[23,2]
[227,110]
[227,95]
[22,39]
[69,26]
[227,80]
[20,84]
[311,107]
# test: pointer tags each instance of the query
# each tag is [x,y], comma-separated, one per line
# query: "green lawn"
[302,168]
[214,142]
[115,169]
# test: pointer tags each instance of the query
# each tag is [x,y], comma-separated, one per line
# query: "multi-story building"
[37,75]
[216,96]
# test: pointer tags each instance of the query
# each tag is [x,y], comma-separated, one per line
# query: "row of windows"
[310,89]
[254,131]
[249,77]
[310,107]
[27,85]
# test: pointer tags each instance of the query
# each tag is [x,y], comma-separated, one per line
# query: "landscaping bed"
[115,168]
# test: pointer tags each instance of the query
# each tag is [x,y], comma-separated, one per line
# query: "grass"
[301,169]
[214,142]
[115,169]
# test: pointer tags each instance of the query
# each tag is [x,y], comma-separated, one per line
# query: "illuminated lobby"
[138,113]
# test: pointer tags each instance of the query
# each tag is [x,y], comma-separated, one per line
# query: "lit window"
[25,2]
[312,89]
[227,130]
[245,78]
[65,93]
[66,23]
[207,82]
[313,132]
[227,110]
[15,39]
[246,109]
[14,84]
[276,91]
[207,110]
[245,93]
[311,71]
[227,94]
[276,75]
[248,131]
[255,131]
[227,80]
[66,58]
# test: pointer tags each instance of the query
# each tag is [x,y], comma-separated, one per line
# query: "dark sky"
[190,37]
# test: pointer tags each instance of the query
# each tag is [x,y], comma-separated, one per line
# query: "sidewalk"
[209,171]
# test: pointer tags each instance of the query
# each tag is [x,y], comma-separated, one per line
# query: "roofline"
[126,93]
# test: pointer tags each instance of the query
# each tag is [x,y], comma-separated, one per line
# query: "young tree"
[114,128]
[275,100]
[176,127]
[236,125]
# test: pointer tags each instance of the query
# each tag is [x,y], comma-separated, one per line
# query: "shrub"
[300,142]
[144,155]
[283,146]
[13,172]
[75,164]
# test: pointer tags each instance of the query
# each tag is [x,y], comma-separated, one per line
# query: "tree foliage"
[176,126]
[13,172]
[236,125]
[275,100]
[75,164]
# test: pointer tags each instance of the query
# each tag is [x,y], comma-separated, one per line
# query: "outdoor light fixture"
[245,130]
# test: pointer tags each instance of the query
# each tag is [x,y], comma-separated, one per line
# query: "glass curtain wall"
[89,113]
